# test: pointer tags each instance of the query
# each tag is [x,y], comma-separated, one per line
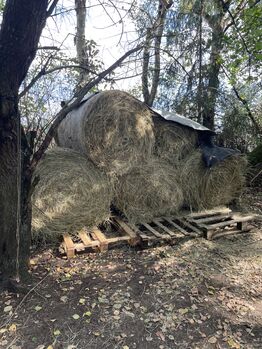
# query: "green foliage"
[255,157]
[2,5]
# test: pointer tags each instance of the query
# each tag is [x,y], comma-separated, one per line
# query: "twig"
[22,301]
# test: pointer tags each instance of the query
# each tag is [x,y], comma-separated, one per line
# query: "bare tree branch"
[48,48]
[245,104]
[51,8]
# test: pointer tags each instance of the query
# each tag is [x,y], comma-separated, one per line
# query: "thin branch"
[235,25]
[48,48]
[51,8]
[245,104]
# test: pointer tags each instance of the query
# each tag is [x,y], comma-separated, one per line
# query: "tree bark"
[21,28]
[211,91]
[80,40]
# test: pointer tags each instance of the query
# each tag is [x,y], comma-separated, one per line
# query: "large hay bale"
[71,193]
[204,188]
[113,129]
[148,191]
[173,141]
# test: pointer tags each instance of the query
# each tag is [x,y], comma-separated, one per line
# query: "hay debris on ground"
[113,129]
[148,191]
[204,188]
[71,193]
[173,141]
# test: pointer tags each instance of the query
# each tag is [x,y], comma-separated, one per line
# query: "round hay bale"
[149,191]
[173,141]
[204,188]
[114,129]
[71,193]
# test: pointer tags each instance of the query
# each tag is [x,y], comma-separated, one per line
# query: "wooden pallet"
[95,239]
[210,224]
[220,222]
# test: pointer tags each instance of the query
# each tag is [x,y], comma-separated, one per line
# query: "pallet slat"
[205,213]
[155,232]
[160,225]
[97,234]
[133,236]
[85,238]
[209,219]
[69,245]
[196,231]
[180,229]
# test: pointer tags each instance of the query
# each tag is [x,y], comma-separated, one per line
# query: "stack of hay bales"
[70,193]
[117,132]
[131,157]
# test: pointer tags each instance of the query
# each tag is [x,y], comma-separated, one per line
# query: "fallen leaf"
[76,316]
[56,333]
[212,340]
[183,311]
[87,313]
[37,308]
[233,344]
[82,301]
[64,299]
[12,328]
[8,308]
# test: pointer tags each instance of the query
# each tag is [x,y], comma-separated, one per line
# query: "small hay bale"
[71,193]
[173,141]
[204,188]
[149,191]
[114,129]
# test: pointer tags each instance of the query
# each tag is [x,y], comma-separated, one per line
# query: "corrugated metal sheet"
[172,116]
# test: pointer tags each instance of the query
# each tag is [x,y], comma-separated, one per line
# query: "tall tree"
[154,35]
[23,22]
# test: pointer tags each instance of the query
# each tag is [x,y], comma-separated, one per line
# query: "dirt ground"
[194,294]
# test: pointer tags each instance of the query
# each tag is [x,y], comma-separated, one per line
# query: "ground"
[193,294]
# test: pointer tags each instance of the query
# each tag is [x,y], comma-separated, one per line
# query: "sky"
[111,29]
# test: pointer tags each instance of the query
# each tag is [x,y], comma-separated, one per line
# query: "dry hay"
[113,129]
[205,188]
[149,191]
[173,141]
[71,193]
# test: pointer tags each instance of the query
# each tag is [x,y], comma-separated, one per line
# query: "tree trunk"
[156,33]
[21,28]
[80,40]
[210,95]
